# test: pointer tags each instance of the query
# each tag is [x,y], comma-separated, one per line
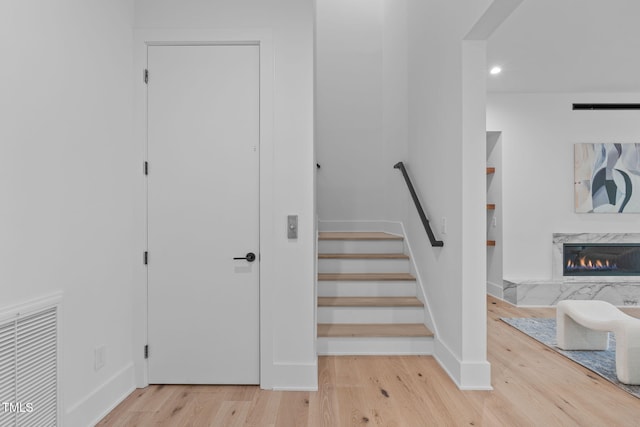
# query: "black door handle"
[249,257]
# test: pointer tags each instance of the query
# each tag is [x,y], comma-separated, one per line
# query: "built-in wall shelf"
[493,213]
[491,206]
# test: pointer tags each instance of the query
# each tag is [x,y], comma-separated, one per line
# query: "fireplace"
[598,242]
[601,259]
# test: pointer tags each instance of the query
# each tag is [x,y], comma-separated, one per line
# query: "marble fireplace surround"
[618,290]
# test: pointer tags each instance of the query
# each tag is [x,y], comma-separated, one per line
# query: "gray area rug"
[602,363]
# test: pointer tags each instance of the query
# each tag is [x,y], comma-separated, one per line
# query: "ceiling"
[568,46]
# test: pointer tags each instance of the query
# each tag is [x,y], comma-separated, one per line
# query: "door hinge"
[146,351]
[146,258]
[146,168]
[146,76]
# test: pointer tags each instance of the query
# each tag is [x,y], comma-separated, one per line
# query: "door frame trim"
[262,38]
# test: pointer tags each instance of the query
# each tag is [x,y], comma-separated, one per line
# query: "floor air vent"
[29,369]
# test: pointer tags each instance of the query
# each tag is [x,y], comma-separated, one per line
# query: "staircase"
[367,300]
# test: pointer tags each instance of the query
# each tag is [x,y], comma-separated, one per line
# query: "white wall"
[66,167]
[287,269]
[538,133]
[361,116]
[446,158]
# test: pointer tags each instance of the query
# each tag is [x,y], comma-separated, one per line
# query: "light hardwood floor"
[533,386]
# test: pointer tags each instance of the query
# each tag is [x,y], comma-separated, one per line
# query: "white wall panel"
[361,115]
[66,172]
[538,135]
[287,266]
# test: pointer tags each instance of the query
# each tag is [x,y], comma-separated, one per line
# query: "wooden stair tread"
[373,330]
[369,302]
[365,276]
[363,256]
[348,235]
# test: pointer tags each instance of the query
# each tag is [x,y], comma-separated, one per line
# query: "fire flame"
[587,264]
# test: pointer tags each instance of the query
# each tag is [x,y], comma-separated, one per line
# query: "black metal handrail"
[414,196]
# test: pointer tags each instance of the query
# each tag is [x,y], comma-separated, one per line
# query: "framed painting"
[607,178]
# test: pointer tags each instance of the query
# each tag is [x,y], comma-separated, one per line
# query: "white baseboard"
[447,360]
[466,375]
[420,285]
[475,376]
[295,376]
[90,410]
[494,289]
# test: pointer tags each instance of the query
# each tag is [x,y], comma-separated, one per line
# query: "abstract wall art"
[607,178]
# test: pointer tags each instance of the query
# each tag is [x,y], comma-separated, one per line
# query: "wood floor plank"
[366,276]
[431,388]
[354,407]
[294,410]
[345,235]
[323,405]
[173,413]
[205,409]
[369,302]
[390,379]
[382,411]
[532,386]
[232,413]
[127,409]
[264,409]
[241,393]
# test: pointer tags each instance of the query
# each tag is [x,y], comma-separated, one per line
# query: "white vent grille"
[7,371]
[29,370]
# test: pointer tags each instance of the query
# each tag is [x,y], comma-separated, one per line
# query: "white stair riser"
[363,266]
[360,246]
[370,314]
[335,346]
[366,289]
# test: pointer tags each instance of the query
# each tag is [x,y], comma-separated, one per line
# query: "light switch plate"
[100,354]
[292,226]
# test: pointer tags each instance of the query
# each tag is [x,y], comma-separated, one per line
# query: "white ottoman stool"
[585,325]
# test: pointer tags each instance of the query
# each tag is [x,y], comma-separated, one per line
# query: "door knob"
[249,257]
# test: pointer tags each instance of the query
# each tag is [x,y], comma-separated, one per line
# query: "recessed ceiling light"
[495,70]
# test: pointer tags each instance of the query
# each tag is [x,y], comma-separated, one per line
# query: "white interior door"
[203,211]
